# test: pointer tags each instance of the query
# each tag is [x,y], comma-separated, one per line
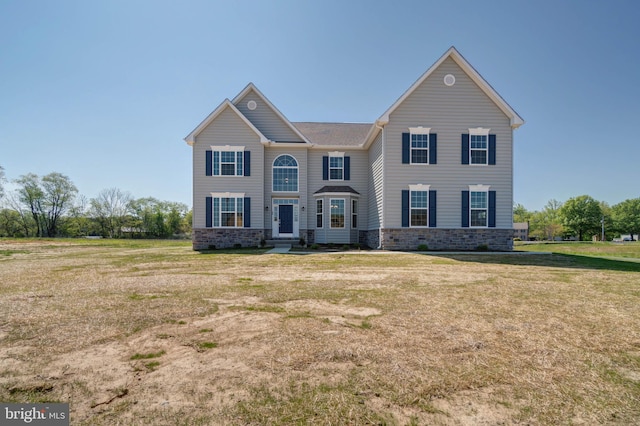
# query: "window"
[478,202]
[336,167]
[478,149]
[228,212]
[285,174]
[319,214]
[337,213]
[419,148]
[419,211]
[354,214]
[227,161]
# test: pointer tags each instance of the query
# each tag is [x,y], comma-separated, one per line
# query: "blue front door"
[285,213]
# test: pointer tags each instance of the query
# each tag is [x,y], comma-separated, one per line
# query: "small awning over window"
[336,189]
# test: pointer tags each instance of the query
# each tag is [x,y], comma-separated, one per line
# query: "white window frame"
[216,213]
[296,167]
[418,188]
[354,214]
[320,213]
[421,131]
[340,155]
[479,131]
[479,189]
[344,207]
[238,160]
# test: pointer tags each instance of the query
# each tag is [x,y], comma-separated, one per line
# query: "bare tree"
[110,208]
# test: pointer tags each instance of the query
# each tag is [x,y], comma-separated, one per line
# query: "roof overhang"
[515,120]
[191,137]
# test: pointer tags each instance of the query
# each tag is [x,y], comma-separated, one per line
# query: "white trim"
[336,154]
[479,131]
[252,86]
[515,120]
[419,130]
[479,188]
[190,139]
[419,187]
[227,194]
[337,194]
[227,148]
[344,213]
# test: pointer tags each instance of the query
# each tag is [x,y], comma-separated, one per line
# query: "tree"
[547,224]
[47,198]
[521,214]
[2,182]
[581,215]
[110,208]
[626,216]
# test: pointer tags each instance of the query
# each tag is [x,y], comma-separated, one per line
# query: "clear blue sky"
[104,91]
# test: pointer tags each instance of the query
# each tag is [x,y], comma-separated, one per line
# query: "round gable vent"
[449,79]
[252,105]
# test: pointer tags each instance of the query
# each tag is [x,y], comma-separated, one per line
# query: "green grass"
[149,355]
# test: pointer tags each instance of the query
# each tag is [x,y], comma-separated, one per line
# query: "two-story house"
[436,168]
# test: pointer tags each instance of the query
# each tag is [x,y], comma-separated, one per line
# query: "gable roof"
[335,134]
[516,120]
[251,87]
[191,137]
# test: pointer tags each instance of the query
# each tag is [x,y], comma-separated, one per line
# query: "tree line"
[50,206]
[582,217]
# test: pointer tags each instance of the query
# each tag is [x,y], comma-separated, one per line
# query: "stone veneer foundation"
[392,238]
[205,238]
[447,239]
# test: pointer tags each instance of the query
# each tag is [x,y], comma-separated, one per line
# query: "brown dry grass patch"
[154,333]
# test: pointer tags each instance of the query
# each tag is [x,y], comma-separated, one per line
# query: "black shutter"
[347,168]
[325,167]
[209,163]
[208,215]
[406,150]
[247,211]
[433,148]
[465,148]
[492,149]
[492,209]
[465,209]
[432,209]
[405,208]
[247,163]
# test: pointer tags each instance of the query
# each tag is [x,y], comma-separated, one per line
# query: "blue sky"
[105,91]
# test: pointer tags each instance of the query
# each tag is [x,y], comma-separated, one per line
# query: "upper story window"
[419,145]
[478,147]
[336,166]
[227,161]
[285,174]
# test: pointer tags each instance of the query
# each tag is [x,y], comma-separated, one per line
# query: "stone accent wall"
[370,238]
[205,238]
[311,236]
[447,239]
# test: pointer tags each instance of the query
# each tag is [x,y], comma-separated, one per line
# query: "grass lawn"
[152,333]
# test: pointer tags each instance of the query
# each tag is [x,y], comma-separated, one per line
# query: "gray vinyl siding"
[266,120]
[228,129]
[375,184]
[359,169]
[449,112]
[300,154]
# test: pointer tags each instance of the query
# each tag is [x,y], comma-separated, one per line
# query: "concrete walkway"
[280,250]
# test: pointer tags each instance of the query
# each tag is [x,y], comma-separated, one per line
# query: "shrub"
[482,247]
[237,246]
[314,247]
[346,247]
[423,247]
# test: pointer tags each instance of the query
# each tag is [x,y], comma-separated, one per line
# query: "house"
[436,168]
[521,231]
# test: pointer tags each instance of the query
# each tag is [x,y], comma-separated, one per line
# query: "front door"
[285,213]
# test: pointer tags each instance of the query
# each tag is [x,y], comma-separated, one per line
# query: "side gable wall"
[228,129]
[449,111]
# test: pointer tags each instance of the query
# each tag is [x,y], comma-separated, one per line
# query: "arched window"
[285,174]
